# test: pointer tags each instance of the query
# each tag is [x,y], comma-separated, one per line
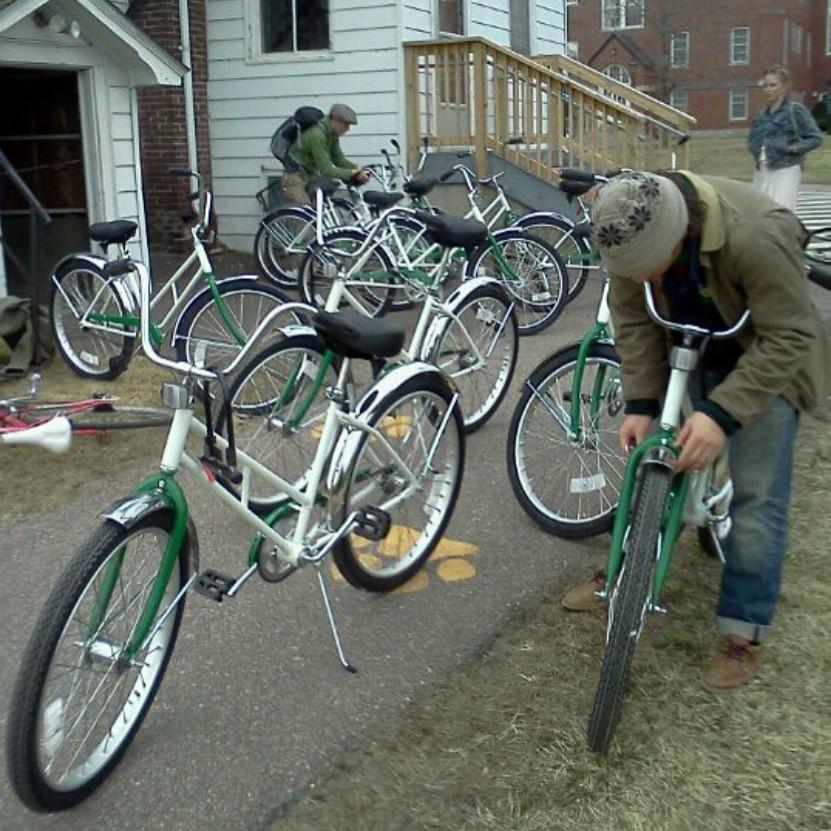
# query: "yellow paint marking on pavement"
[453,548]
[455,569]
[396,426]
[450,565]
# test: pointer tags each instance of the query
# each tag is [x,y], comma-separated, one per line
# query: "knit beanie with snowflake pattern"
[637,221]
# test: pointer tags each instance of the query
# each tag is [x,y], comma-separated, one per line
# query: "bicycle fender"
[367,409]
[529,219]
[458,298]
[130,510]
[128,297]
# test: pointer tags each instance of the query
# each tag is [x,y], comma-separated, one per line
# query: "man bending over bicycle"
[713,247]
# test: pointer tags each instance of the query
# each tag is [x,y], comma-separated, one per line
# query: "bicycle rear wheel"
[78,702]
[407,424]
[569,486]
[203,336]
[95,348]
[628,604]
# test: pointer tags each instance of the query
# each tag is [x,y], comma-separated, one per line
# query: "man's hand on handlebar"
[360,175]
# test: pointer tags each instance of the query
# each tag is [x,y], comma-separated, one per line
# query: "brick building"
[706,57]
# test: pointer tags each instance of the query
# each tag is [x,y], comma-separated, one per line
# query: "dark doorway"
[40,134]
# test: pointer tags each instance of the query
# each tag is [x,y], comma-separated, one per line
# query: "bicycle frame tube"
[317,383]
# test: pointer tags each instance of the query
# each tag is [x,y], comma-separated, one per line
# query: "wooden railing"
[473,93]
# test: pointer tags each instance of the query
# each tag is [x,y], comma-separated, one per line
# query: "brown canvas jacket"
[751,251]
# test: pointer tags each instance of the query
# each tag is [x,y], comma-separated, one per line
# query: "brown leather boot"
[583,598]
[734,665]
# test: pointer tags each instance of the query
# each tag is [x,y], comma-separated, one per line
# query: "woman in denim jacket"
[780,136]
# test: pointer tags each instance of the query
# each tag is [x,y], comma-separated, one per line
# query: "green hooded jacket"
[317,151]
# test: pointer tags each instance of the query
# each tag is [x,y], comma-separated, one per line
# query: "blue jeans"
[761,463]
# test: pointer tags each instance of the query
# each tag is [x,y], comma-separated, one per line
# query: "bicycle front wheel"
[558,232]
[280,243]
[104,415]
[478,349]
[530,271]
[569,485]
[85,312]
[278,414]
[79,699]
[410,465]
[367,290]
[628,605]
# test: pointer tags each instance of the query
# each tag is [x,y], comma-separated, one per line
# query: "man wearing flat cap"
[318,154]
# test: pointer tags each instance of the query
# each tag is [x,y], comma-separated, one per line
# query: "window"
[572,49]
[679,49]
[678,99]
[738,105]
[622,14]
[295,25]
[618,73]
[451,17]
[740,45]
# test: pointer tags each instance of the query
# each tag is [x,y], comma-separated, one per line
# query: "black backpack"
[288,132]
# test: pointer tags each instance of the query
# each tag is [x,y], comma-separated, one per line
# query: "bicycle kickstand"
[330,614]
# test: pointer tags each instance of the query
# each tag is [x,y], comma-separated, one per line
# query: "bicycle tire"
[202,337]
[557,231]
[90,353]
[627,605]
[385,564]
[120,417]
[38,719]
[541,286]
[273,243]
[555,480]
[251,399]
[487,308]
[315,286]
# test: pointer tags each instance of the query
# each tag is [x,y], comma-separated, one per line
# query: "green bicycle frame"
[156,334]
[671,522]
[597,333]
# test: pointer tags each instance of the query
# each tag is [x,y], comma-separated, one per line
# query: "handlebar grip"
[448,174]
[577,175]
[180,171]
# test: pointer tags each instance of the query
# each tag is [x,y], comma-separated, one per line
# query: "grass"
[54,478]
[727,155]
[500,743]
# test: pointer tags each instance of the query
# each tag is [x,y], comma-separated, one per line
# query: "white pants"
[781,185]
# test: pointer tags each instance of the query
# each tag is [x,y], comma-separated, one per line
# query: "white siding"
[489,19]
[550,28]
[418,19]
[249,96]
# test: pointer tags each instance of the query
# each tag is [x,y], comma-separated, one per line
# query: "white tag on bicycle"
[587,484]
[485,315]
[199,353]
[543,295]
[309,368]
[89,358]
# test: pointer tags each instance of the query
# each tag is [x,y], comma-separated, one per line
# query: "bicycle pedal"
[213,585]
[372,523]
